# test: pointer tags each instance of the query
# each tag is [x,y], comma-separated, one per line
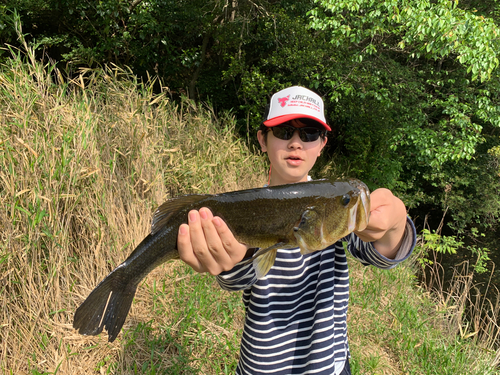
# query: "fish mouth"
[365,201]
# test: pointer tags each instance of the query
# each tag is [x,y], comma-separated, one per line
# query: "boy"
[296,315]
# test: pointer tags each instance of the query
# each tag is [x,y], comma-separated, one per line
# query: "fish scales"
[310,215]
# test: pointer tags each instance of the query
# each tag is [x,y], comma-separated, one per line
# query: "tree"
[427,72]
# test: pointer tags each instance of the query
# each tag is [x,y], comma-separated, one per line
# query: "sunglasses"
[306,134]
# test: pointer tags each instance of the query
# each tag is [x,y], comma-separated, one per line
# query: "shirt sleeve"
[242,276]
[366,253]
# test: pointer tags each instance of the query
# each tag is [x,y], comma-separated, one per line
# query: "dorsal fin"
[164,212]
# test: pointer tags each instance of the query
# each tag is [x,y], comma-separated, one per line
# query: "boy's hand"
[207,244]
[387,223]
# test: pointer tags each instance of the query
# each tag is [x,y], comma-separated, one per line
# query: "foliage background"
[411,87]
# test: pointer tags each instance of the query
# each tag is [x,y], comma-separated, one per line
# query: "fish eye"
[346,199]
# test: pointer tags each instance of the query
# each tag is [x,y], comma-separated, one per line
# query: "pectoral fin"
[308,216]
[263,259]
[264,263]
[309,232]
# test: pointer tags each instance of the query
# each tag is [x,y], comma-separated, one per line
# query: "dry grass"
[397,328]
[469,312]
[82,166]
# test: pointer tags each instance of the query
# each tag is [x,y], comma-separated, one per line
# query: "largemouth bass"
[310,215]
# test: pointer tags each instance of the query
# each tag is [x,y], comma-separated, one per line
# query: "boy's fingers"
[235,250]
[186,250]
[213,241]
[387,217]
[381,205]
[207,244]
[198,241]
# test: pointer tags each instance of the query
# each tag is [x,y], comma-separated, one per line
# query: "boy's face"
[291,159]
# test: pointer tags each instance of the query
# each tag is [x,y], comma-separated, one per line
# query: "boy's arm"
[367,254]
[387,223]
[390,236]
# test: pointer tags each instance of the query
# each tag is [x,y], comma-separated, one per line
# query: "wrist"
[389,244]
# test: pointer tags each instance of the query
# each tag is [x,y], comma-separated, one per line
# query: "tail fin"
[107,306]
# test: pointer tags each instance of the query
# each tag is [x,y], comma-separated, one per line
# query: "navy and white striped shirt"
[296,315]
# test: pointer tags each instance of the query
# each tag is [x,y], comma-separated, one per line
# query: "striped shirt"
[296,315]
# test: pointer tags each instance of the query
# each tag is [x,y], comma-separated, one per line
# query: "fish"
[307,215]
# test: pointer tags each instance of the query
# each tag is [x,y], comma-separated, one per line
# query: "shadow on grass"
[149,351]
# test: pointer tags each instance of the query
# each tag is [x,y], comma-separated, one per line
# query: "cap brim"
[281,119]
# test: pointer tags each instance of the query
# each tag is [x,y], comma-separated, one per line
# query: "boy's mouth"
[294,160]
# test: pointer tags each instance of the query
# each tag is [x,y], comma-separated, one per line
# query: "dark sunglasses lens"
[283,132]
[306,134]
[309,134]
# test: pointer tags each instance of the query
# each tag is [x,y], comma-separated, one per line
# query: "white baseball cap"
[293,103]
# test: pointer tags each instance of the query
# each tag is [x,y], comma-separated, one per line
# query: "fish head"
[348,211]
[344,209]
[309,230]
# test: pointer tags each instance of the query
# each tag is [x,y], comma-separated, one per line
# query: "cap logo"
[283,101]
[306,98]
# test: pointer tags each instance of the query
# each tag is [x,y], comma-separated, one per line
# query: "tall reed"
[469,313]
[83,163]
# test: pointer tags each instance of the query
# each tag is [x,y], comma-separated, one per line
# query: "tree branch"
[134,4]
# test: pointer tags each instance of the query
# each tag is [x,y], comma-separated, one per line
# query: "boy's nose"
[295,141]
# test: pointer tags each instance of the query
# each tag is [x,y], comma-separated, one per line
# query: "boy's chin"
[294,178]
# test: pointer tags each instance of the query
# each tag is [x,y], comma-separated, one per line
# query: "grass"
[198,327]
[83,164]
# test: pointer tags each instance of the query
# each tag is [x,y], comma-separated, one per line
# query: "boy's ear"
[262,141]
[322,146]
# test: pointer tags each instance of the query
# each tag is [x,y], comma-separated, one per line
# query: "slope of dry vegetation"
[82,166]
